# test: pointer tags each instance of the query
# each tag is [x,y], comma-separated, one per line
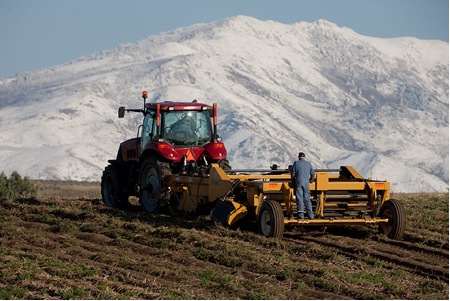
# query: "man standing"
[303,174]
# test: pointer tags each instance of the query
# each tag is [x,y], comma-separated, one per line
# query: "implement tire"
[271,219]
[395,212]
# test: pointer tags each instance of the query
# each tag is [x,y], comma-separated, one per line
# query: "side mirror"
[121,112]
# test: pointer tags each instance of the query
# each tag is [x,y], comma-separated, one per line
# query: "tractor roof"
[178,106]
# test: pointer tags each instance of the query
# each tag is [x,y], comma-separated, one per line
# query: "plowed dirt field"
[65,244]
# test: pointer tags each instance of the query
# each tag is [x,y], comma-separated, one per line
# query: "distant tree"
[15,186]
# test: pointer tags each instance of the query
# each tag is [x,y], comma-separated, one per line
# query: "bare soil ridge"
[73,247]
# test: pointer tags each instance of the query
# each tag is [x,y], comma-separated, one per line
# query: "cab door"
[148,128]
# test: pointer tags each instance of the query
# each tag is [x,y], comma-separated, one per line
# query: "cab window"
[148,128]
[187,127]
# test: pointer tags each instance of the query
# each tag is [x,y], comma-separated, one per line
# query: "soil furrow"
[76,248]
[424,249]
[356,248]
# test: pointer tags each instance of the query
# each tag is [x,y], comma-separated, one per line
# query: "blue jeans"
[303,197]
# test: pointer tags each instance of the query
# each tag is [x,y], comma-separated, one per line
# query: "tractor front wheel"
[395,212]
[224,164]
[150,180]
[271,219]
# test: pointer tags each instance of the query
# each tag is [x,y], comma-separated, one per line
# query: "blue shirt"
[302,173]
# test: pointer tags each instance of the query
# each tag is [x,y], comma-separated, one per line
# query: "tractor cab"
[180,133]
[179,126]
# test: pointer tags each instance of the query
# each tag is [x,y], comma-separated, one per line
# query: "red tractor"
[174,138]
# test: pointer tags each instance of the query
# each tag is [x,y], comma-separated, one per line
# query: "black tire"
[395,212]
[150,181]
[224,164]
[111,188]
[271,219]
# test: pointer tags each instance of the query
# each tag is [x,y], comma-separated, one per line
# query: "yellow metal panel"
[219,183]
[320,204]
[256,201]
[356,204]
[272,186]
[326,222]
[239,212]
[260,177]
[322,184]
[353,172]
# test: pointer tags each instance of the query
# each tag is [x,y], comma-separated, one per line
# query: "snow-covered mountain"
[380,105]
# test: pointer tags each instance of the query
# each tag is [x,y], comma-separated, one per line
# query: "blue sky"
[38,34]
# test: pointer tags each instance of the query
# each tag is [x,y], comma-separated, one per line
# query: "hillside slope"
[380,105]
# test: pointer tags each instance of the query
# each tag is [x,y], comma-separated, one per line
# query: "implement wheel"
[271,219]
[150,180]
[395,212]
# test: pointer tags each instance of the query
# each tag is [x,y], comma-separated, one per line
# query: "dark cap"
[301,155]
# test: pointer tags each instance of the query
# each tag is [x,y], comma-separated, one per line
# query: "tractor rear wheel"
[111,189]
[395,212]
[150,180]
[271,219]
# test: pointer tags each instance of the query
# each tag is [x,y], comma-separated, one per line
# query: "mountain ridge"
[343,98]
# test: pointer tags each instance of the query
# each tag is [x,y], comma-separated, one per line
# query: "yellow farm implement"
[340,197]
